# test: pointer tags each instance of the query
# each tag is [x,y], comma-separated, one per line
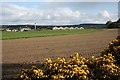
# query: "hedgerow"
[105,67]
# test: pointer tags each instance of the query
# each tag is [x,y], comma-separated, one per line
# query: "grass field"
[43,33]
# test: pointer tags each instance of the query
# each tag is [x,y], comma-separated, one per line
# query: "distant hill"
[92,25]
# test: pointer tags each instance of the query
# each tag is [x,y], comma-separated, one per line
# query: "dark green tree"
[118,21]
[110,24]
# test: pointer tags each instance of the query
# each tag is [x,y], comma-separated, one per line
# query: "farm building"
[51,27]
[16,28]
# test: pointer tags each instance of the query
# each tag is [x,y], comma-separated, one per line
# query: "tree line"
[111,24]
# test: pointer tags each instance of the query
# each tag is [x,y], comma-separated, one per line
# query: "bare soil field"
[22,53]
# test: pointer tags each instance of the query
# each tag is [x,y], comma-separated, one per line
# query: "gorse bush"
[75,68]
[114,49]
[30,74]
[105,67]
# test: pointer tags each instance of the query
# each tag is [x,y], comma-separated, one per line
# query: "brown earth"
[21,53]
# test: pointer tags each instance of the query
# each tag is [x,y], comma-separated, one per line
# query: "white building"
[81,28]
[25,29]
[8,30]
[66,28]
[71,28]
[55,28]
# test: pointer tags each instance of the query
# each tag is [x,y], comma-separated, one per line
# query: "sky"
[58,13]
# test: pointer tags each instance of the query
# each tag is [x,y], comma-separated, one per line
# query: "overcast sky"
[52,13]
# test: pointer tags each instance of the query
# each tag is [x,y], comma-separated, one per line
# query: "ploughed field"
[22,53]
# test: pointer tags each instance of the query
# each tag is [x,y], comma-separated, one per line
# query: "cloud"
[67,13]
[104,14]
[14,14]
[17,14]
